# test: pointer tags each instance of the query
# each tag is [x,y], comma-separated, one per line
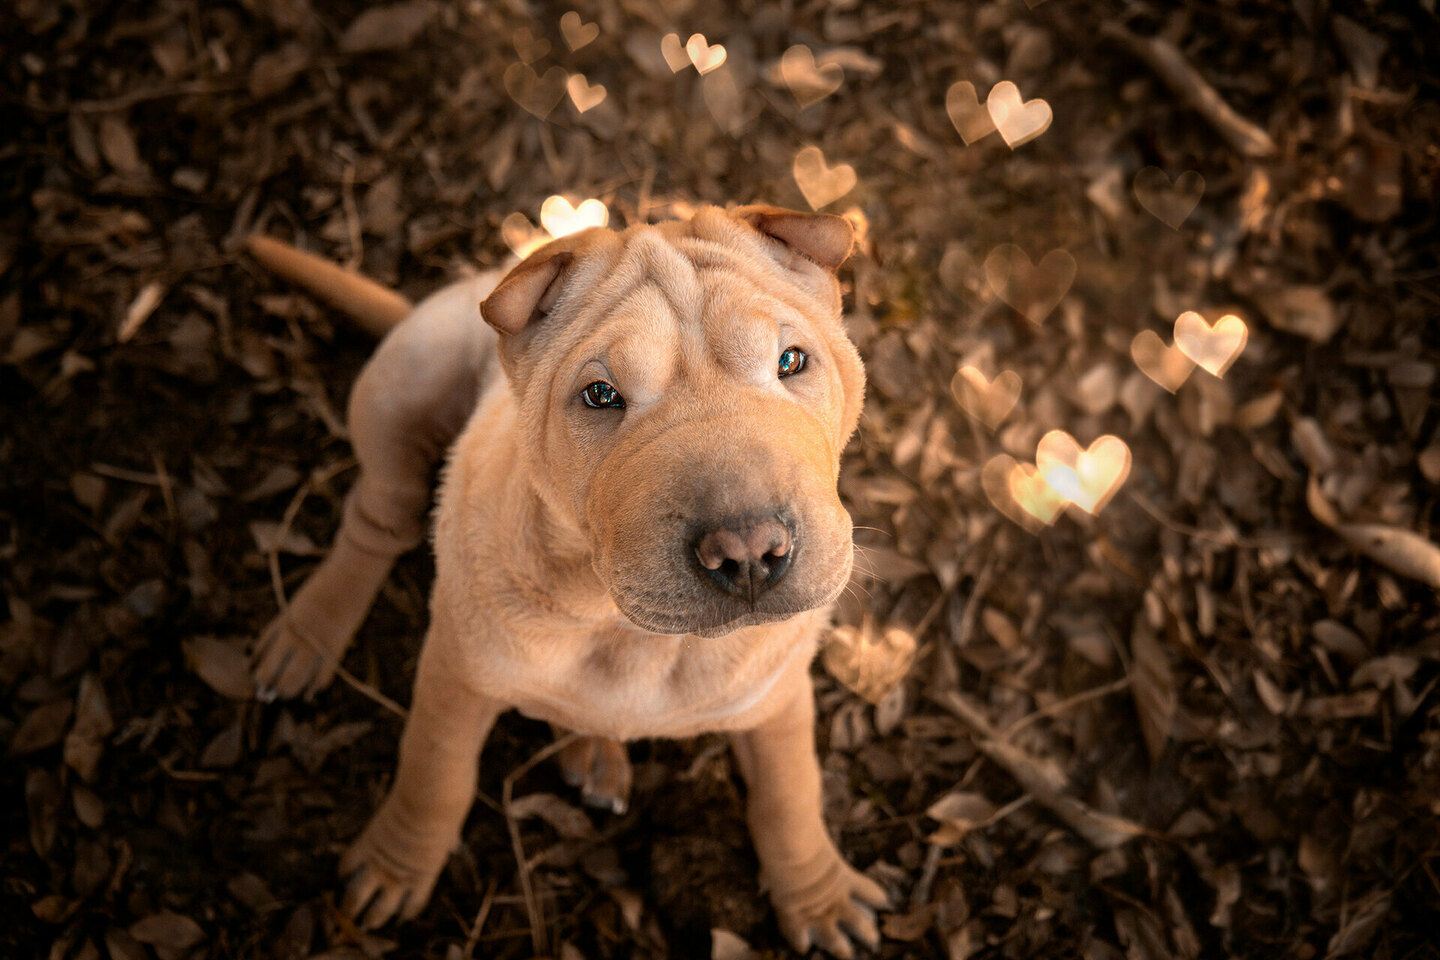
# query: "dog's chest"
[625,684]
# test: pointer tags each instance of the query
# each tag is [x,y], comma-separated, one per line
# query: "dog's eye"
[792,361]
[601,394]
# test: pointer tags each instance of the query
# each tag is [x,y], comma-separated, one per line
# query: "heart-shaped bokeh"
[989,401]
[808,82]
[521,236]
[1087,477]
[971,119]
[583,94]
[577,32]
[821,184]
[1032,289]
[1019,121]
[1168,202]
[1213,348]
[538,95]
[705,56]
[1019,493]
[674,52]
[528,47]
[1166,365]
[560,219]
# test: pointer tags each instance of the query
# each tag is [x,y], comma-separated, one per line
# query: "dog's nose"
[745,558]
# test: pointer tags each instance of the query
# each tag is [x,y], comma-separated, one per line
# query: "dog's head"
[690,389]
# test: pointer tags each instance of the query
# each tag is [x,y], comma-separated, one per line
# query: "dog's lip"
[657,621]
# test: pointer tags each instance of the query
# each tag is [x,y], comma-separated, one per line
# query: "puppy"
[637,534]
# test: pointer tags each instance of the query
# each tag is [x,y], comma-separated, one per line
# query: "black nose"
[745,557]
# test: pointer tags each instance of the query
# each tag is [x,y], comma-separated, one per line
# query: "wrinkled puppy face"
[691,388]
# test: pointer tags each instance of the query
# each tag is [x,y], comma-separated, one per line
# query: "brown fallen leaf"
[868,664]
[223,666]
[568,820]
[170,933]
[391,27]
[86,740]
[959,812]
[42,727]
[1404,551]
[1152,684]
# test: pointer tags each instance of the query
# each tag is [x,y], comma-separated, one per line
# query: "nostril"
[745,557]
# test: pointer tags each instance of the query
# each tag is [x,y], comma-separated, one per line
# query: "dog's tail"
[375,307]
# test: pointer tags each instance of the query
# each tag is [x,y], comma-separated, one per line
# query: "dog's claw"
[601,769]
[288,663]
[829,911]
[381,887]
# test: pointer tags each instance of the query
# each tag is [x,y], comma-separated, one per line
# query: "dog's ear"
[819,237]
[528,291]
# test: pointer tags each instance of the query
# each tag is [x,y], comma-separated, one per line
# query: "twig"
[1048,787]
[1163,57]
[361,687]
[1060,706]
[539,936]
[480,916]
[352,218]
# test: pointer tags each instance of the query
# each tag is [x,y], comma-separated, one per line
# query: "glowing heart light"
[1032,289]
[674,52]
[527,46]
[1213,348]
[538,95]
[1019,121]
[561,219]
[808,83]
[1034,494]
[584,94]
[521,236]
[1166,365]
[1019,493]
[971,119]
[1168,202]
[577,33]
[705,56]
[989,401]
[1087,478]
[819,183]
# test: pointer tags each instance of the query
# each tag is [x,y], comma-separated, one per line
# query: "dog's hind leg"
[409,403]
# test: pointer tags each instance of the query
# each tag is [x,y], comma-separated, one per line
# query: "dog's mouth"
[710,620]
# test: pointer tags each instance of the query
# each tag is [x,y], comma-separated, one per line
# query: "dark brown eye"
[792,361]
[602,395]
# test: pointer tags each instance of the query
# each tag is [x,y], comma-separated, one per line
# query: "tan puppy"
[638,532]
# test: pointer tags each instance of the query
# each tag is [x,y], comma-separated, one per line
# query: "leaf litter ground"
[1202,723]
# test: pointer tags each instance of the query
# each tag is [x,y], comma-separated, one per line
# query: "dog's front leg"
[394,864]
[815,892]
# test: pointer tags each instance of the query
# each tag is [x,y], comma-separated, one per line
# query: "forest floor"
[1201,722]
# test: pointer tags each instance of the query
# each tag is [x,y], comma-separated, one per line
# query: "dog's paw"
[827,911]
[600,768]
[291,660]
[382,885]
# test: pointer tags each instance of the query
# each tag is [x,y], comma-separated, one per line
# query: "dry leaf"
[1152,685]
[869,665]
[959,813]
[569,821]
[223,666]
[389,27]
[168,932]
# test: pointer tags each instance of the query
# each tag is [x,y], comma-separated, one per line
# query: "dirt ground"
[1203,722]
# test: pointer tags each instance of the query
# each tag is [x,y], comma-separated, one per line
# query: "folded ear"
[528,291]
[820,237]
